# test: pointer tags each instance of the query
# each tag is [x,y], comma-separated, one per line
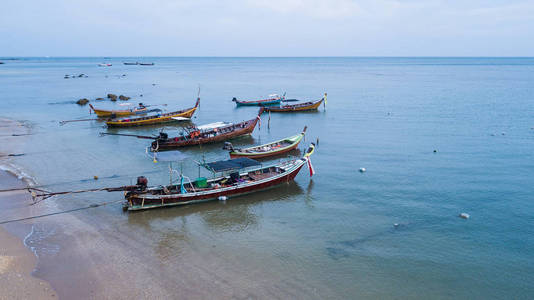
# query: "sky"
[267,28]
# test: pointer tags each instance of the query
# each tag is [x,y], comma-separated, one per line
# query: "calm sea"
[437,136]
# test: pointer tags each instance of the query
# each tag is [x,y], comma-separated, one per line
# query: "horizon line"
[333,56]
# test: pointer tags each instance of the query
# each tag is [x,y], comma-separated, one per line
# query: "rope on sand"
[60,212]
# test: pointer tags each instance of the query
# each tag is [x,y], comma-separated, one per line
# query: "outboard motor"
[142,182]
[163,136]
[234,99]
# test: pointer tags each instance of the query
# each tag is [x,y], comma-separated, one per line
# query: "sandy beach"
[16,265]
[17,262]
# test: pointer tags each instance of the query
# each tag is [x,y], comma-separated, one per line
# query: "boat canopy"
[231,164]
[213,125]
[180,118]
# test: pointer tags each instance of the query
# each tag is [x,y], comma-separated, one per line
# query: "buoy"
[362,170]
[464,216]
[95,177]
[222,198]
[435,150]
[396,225]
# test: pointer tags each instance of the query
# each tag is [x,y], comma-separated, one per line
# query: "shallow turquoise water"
[385,114]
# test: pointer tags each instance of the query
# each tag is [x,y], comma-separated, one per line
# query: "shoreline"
[17,260]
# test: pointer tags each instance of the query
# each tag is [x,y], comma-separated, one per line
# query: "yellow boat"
[121,113]
[155,119]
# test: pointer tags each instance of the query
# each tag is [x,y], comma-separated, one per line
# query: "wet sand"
[17,262]
[16,265]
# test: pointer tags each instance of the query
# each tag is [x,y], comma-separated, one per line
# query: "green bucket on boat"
[201,182]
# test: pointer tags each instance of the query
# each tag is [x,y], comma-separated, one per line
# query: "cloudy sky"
[267,28]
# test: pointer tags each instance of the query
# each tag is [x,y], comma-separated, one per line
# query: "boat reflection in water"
[236,214]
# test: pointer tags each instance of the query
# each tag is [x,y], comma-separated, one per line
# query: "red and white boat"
[243,176]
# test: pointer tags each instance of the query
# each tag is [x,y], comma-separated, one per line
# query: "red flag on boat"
[310,167]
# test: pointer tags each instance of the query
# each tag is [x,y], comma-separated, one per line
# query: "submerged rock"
[124,98]
[82,101]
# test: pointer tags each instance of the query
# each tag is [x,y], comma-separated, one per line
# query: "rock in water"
[113,97]
[123,98]
[99,99]
[82,101]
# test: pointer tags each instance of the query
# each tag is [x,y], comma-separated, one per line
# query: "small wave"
[36,241]
[18,172]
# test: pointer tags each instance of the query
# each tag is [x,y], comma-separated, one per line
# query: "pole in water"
[317,142]
[269,121]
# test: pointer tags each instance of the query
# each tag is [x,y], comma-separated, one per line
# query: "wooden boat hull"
[173,143]
[163,118]
[137,201]
[118,113]
[296,107]
[294,142]
[263,155]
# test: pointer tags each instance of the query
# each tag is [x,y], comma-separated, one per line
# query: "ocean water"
[437,136]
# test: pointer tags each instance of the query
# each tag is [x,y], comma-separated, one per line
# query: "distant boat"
[180,115]
[141,109]
[304,106]
[1,62]
[131,63]
[273,99]
[104,65]
[146,64]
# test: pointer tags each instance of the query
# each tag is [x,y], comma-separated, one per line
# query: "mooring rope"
[75,181]
[61,212]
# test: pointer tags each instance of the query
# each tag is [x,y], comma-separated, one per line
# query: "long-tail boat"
[139,110]
[244,175]
[272,100]
[305,106]
[266,150]
[211,133]
[155,119]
